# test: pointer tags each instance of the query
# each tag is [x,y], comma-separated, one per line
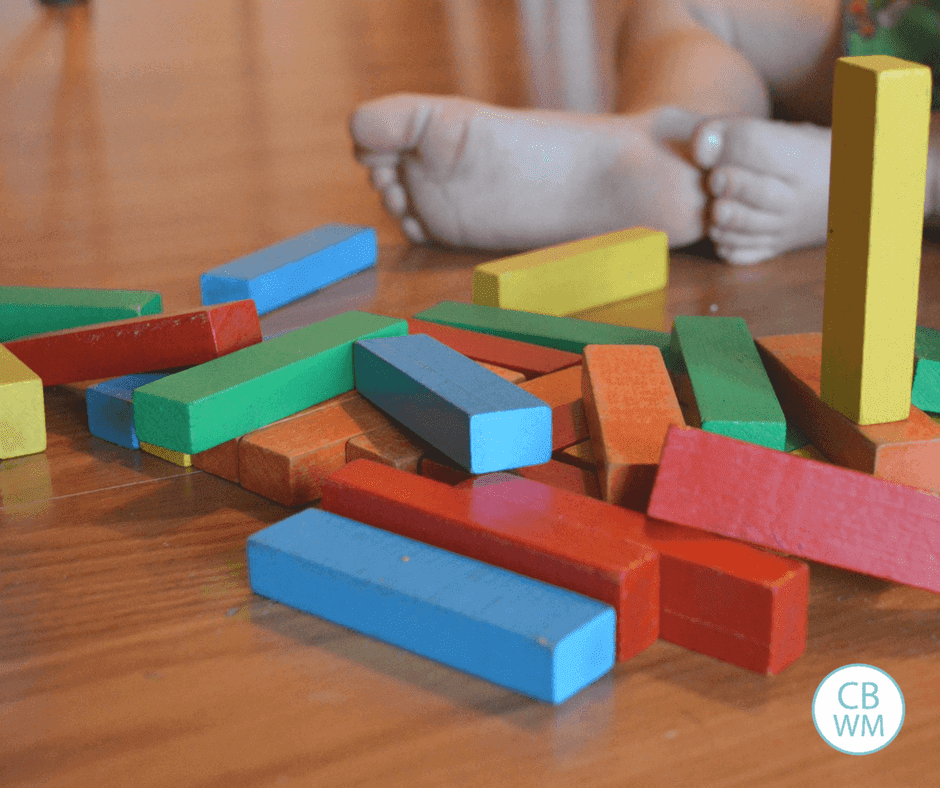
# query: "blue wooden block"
[476,418]
[532,637]
[293,268]
[111,411]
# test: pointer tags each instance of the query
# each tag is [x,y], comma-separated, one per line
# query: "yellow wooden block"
[22,408]
[880,123]
[176,457]
[575,276]
[810,452]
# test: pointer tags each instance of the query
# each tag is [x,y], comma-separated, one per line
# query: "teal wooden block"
[36,310]
[476,418]
[201,407]
[292,269]
[795,439]
[716,358]
[925,392]
[534,638]
[562,333]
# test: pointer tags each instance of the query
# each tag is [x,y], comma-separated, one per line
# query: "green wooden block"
[35,310]
[562,333]
[796,439]
[204,406]
[717,362]
[925,393]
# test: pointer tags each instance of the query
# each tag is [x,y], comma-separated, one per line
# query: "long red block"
[717,596]
[811,509]
[531,360]
[288,461]
[140,344]
[609,568]
[907,452]
[629,402]
[561,391]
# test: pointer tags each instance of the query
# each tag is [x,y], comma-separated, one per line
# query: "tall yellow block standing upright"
[22,410]
[880,126]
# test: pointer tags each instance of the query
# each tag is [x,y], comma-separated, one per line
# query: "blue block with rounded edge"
[111,410]
[292,269]
[479,420]
[543,641]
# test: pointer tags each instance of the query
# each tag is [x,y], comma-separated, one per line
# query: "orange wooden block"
[580,455]
[511,375]
[222,460]
[561,391]
[630,404]
[582,481]
[388,445]
[907,452]
[288,461]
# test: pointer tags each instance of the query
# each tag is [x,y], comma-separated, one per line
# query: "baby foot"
[770,185]
[471,174]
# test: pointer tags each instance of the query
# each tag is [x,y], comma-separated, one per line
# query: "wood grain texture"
[614,570]
[531,359]
[629,402]
[810,509]
[388,445]
[907,452]
[140,344]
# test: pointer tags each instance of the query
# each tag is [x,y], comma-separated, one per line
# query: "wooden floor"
[146,142]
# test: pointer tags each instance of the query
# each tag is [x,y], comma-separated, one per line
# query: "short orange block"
[561,391]
[389,446]
[630,404]
[563,477]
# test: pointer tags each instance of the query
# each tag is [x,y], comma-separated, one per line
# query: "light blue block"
[532,637]
[292,269]
[479,420]
[111,411]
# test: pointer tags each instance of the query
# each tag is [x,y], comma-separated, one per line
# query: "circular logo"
[858,709]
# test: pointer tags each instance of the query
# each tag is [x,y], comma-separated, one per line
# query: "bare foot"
[472,174]
[770,184]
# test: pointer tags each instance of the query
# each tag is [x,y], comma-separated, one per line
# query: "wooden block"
[612,570]
[292,269]
[530,359]
[141,344]
[22,408]
[202,407]
[288,461]
[581,455]
[629,403]
[222,460]
[716,359]
[533,638]
[717,596]
[796,438]
[810,509]
[578,275]
[582,481]
[477,419]
[111,410]
[561,391]
[506,374]
[907,452]
[925,393]
[176,457]
[562,333]
[37,310]
[437,467]
[880,124]
[810,452]
[388,445]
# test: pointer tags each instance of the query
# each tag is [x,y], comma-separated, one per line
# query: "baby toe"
[742,240]
[762,192]
[413,230]
[731,215]
[383,177]
[745,256]
[396,199]
[708,142]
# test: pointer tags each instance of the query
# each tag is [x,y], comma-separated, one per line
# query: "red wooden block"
[564,476]
[561,391]
[288,461]
[609,568]
[531,360]
[907,452]
[629,403]
[140,344]
[717,596]
[811,509]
